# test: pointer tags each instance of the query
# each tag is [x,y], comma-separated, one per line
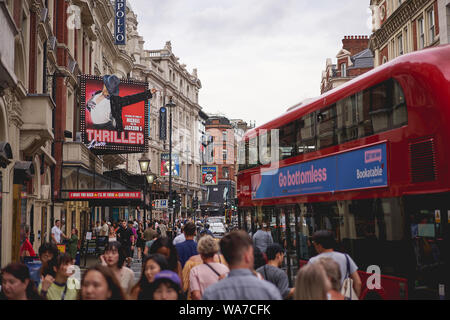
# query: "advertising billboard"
[114,114]
[165,165]
[209,175]
[360,169]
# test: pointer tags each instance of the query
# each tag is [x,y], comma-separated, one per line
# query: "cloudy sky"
[255,58]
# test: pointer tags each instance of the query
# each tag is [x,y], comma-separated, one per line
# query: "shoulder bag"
[347,286]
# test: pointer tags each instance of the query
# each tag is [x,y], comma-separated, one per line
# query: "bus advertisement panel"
[362,168]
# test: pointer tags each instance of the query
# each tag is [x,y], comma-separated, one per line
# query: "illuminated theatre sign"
[119,26]
[114,114]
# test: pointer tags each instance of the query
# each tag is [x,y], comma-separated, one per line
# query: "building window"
[224,152]
[224,136]
[405,31]
[400,45]
[421,34]
[431,30]
[343,70]
[225,172]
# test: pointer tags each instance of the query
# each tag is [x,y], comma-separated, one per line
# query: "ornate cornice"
[395,22]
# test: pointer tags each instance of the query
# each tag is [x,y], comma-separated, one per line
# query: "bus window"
[399,112]
[326,127]
[346,118]
[252,152]
[287,139]
[307,140]
[380,108]
[241,155]
[365,121]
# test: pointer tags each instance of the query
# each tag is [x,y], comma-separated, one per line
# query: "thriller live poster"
[114,114]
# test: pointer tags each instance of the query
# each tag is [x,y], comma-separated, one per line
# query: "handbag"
[347,286]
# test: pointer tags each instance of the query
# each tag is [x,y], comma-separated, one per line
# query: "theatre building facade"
[47,171]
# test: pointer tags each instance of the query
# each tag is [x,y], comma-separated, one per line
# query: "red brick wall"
[357,72]
[355,44]
[61,92]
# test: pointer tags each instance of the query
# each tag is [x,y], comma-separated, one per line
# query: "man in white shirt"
[104,230]
[57,233]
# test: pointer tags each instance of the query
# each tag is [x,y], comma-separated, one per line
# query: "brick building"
[353,60]
[403,26]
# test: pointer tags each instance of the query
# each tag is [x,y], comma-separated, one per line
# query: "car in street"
[215,220]
[218,229]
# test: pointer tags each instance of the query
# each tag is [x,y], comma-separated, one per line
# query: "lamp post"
[144,164]
[170,105]
[151,177]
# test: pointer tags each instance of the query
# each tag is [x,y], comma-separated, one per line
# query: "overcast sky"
[255,58]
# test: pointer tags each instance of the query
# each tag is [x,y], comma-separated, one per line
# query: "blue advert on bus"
[363,168]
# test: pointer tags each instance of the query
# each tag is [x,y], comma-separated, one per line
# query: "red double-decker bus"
[369,161]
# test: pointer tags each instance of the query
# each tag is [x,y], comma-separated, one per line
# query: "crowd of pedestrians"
[189,265]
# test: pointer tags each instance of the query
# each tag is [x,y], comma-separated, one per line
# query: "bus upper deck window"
[399,112]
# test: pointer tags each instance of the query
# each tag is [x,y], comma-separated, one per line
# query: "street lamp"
[144,164]
[170,105]
[151,177]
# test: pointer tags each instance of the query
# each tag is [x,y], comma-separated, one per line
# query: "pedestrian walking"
[166,286]
[148,244]
[105,229]
[152,265]
[165,247]
[272,272]
[241,283]
[163,229]
[114,258]
[57,233]
[97,229]
[17,283]
[259,257]
[179,238]
[112,234]
[133,240]
[150,232]
[59,284]
[187,248]
[126,238]
[263,238]
[73,244]
[334,275]
[100,283]
[208,273]
[193,262]
[26,249]
[312,283]
[207,231]
[140,242]
[324,243]
[47,251]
